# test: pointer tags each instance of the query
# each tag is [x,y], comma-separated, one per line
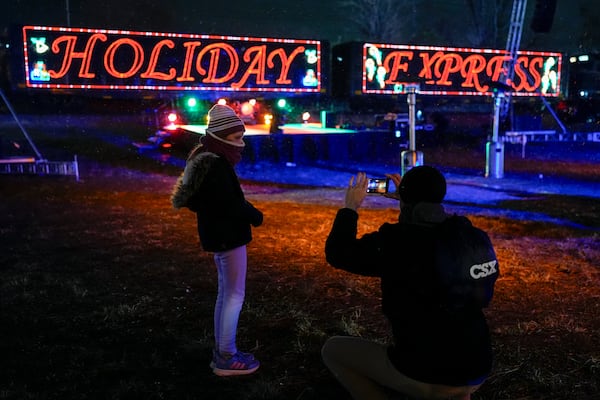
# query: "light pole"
[494,149]
[411,158]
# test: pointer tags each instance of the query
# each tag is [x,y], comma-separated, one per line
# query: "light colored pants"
[364,369]
[231,269]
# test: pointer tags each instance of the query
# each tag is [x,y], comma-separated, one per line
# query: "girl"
[210,187]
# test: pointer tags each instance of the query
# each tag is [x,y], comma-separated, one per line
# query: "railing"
[32,166]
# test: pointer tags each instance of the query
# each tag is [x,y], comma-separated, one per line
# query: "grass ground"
[105,293]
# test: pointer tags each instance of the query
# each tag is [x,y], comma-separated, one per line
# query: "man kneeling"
[441,346]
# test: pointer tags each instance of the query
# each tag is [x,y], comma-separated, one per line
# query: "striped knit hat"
[223,121]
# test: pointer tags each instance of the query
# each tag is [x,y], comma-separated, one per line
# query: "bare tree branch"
[383,20]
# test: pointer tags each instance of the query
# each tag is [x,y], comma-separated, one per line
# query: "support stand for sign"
[37,165]
[411,158]
[494,149]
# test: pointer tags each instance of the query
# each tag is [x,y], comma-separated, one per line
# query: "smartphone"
[378,185]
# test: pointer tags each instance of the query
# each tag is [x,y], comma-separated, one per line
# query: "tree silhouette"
[489,21]
[589,40]
[455,22]
[390,21]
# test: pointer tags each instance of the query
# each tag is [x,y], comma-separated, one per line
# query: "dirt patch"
[106,294]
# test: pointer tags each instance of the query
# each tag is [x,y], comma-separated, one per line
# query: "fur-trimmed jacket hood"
[191,179]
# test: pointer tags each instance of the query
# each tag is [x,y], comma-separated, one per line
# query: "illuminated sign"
[391,69]
[114,59]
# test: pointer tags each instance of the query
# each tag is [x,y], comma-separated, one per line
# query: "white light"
[247,108]
[584,57]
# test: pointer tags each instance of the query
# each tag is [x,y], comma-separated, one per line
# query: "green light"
[192,102]
[281,103]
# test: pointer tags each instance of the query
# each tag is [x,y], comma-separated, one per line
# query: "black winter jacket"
[209,186]
[431,343]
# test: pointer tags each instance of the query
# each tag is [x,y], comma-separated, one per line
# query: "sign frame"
[82,58]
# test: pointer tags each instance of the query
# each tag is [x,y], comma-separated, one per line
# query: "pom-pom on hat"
[422,183]
[223,121]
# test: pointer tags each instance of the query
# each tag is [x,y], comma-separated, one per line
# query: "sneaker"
[238,364]
[213,362]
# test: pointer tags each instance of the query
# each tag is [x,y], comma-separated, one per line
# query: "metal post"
[412,101]
[68,11]
[411,157]
[14,114]
[494,149]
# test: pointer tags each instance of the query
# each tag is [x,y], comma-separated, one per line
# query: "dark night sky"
[303,19]
[308,19]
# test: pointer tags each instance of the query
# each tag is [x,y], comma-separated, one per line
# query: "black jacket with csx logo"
[432,343]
